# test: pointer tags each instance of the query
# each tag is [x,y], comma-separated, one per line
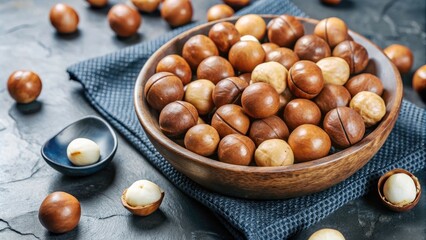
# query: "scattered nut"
[124,20]
[64,18]
[24,86]
[401,56]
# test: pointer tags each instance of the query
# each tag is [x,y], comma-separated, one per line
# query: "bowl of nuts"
[266,106]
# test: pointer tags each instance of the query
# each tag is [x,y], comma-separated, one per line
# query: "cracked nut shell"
[236,149]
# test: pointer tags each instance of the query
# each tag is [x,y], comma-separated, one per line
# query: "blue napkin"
[108,84]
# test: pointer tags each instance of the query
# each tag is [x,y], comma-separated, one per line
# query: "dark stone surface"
[27,41]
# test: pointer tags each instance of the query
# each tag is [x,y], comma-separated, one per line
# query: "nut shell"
[63,18]
[388,204]
[228,91]
[401,56]
[177,12]
[271,127]
[202,139]
[219,11]
[354,54]
[177,65]
[301,111]
[177,117]
[146,5]
[364,82]
[163,88]
[246,55]
[333,30]
[332,96]
[251,24]
[199,94]
[230,119]
[260,100]
[59,212]
[419,81]
[305,79]
[344,126]
[224,35]
[124,20]
[236,149]
[198,48]
[144,210]
[215,68]
[285,30]
[24,86]
[312,48]
[284,56]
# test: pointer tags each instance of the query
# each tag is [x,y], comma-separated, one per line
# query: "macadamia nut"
[370,106]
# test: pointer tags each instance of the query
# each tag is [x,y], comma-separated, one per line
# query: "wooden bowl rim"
[167,143]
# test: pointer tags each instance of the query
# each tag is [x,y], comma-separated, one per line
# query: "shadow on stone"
[134,39]
[149,222]
[85,187]
[29,108]
[68,36]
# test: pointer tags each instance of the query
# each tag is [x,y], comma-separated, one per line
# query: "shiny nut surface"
[215,68]
[274,153]
[177,117]
[305,79]
[219,11]
[312,48]
[202,139]
[146,5]
[177,12]
[24,86]
[371,107]
[236,149]
[344,126]
[177,65]
[251,24]
[228,90]
[401,56]
[285,30]
[301,111]
[59,212]
[364,82]
[246,55]
[230,119]
[124,20]
[271,127]
[354,54]
[163,88]
[63,18]
[260,100]
[419,81]
[309,142]
[333,30]
[332,96]
[284,56]
[224,35]
[198,48]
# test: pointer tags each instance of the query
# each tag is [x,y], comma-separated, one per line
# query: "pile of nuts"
[234,97]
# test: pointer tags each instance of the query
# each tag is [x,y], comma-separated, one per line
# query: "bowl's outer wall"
[271,182]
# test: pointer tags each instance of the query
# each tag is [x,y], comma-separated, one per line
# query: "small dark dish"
[54,151]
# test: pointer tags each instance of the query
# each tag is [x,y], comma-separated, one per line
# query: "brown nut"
[274,153]
[97,3]
[177,117]
[344,126]
[354,54]
[333,30]
[312,48]
[251,24]
[24,86]
[146,5]
[199,94]
[163,88]
[401,56]
[124,20]
[228,91]
[177,65]
[268,128]
[260,100]
[397,207]
[332,96]
[335,70]
[285,98]
[370,106]
[309,142]
[59,212]
[271,72]
[301,111]
[215,68]
[224,35]
[219,11]
[246,55]
[419,81]
[198,48]
[63,18]
[237,3]
[230,119]
[285,30]
[176,12]
[364,82]
[202,139]
[246,77]
[236,149]
[268,47]
[284,56]
[305,79]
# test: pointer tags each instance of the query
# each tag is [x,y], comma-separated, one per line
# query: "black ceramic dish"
[54,151]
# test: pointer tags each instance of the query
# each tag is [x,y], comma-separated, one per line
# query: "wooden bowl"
[271,182]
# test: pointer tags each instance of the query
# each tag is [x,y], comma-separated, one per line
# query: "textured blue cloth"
[108,84]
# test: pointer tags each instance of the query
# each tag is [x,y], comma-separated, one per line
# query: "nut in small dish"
[399,190]
[142,198]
